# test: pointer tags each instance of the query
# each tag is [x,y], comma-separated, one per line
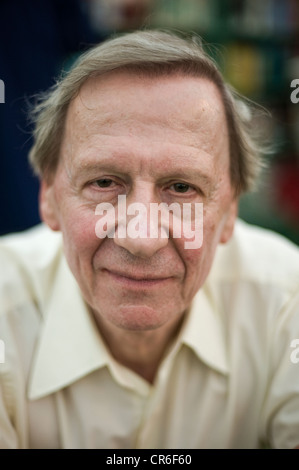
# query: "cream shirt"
[227,382]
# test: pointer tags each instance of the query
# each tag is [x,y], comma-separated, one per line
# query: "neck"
[140,351]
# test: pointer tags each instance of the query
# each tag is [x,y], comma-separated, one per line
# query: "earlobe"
[48,206]
[229,224]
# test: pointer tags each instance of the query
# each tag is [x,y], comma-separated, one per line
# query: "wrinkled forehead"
[179,100]
[124,117]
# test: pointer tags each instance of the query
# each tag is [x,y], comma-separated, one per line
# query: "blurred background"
[256,44]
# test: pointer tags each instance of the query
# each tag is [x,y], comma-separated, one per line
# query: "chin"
[138,318]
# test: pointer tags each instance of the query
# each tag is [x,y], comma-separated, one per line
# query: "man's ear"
[229,224]
[48,205]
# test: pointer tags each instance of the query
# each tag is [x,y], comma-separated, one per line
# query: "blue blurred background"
[256,44]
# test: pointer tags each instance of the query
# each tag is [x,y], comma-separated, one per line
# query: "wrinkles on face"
[198,119]
[144,135]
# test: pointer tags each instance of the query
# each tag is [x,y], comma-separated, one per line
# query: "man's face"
[153,140]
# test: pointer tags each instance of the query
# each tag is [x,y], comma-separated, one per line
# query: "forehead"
[170,120]
[177,100]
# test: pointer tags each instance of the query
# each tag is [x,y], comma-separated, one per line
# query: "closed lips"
[143,277]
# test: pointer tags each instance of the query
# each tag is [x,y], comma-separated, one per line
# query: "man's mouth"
[137,280]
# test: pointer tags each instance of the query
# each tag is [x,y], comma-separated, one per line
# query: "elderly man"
[142,314]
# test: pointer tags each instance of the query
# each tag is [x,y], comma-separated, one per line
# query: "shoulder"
[34,246]
[27,261]
[255,279]
[27,271]
[259,256]
[253,288]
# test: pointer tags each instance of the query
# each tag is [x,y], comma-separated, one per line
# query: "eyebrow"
[89,168]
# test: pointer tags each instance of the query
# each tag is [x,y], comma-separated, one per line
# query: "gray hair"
[153,53]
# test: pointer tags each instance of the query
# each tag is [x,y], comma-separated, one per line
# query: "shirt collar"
[70,346]
[203,332]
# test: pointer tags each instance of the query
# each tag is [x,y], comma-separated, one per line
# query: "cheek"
[198,261]
[78,230]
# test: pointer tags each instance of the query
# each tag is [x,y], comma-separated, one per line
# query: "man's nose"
[139,230]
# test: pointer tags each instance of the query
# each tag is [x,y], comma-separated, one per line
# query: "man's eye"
[181,187]
[103,183]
